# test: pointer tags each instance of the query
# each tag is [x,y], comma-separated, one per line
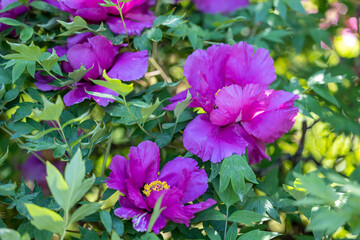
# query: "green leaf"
[295,5]
[49,63]
[228,197]
[262,205]
[154,34]
[44,6]
[246,217]
[58,187]
[11,94]
[52,111]
[147,111]
[78,74]
[324,92]
[26,33]
[232,232]
[45,219]
[209,215]
[281,7]
[258,235]
[212,234]
[4,157]
[320,78]
[74,176]
[169,20]
[11,6]
[29,53]
[181,106]
[12,22]
[115,236]
[237,169]
[76,25]
[18,69]
[115,85]
[324,219]
[106,220]
[9,234]
[156,213]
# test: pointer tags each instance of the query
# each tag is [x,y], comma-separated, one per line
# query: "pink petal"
[119,173]
[244,66]
[83,54]
[237,104]
[212,142]
[132,27]
[144,163]
[103,50]
[130,66]
[184,174]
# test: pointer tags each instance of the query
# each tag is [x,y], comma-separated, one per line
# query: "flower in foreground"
[136,14]
[231,84]
[95,53]
[180,182]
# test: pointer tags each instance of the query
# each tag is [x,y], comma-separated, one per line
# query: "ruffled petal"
[277,120]
[209,141]
[144,163]
[244,66]
[43,82]
[204,70]
[272,124]
[103,50]
[235,104]
[119,173]
[127,209]
[83,54]
[214,6]
[130,66]
[134,194]
[185,174]
[95,14]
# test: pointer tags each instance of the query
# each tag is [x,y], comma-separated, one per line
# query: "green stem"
[133,117]
[123,22]
[22,143]
[7,194]
[66,217]
[227,215]
[64,138]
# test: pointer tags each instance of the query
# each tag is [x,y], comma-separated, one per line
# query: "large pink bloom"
[180,182]
[231,84]
[97,54]
[136,14]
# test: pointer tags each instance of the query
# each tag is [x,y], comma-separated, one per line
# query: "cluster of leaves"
[310,189]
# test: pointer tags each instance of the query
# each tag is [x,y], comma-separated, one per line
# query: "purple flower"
[215,6]
[180,182]
[136,14]
[97,54]
[230,83]
[34,170]
[13,13]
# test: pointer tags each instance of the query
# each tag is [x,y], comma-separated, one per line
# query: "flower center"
[155,186]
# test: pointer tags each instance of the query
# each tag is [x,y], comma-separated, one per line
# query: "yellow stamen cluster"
[155,186]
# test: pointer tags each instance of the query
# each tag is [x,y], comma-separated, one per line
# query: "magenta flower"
[215,6]
[136,14]
[13,13]
[230,83]
[180,182]
[97,54]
